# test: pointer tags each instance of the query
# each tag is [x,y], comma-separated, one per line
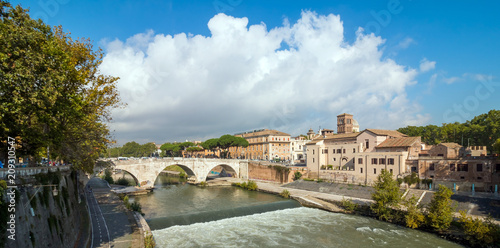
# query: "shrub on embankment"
[250,185]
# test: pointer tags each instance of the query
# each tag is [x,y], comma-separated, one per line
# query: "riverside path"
[112,224]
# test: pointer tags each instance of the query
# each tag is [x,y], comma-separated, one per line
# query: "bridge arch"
[186,168]
[226,167]
[131,174]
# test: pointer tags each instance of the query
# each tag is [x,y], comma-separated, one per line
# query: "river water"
[189,216]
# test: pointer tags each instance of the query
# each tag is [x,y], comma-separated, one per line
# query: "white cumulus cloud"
[242,77]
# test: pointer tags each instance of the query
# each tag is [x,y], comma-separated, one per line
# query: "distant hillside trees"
[482,130]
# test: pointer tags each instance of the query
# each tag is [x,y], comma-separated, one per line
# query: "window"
[390,170]
[479,178]
[333,151]
[339,151]
[440,155]
[313,160]
[374,161]
[479,167]
[463,167]
[367,141]
[360,170]
[360,160]
[334,159]
[381,161]
[353,150]
[390,161]
[452,167]
[313,152]
[431,167]
[497,167]
[374,171]
[325,151]
[344,151]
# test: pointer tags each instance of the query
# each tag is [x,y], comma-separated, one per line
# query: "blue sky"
[440,60]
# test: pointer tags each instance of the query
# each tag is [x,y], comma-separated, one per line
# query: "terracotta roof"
[392,133]
[399,142]
[263,133]
[451,145]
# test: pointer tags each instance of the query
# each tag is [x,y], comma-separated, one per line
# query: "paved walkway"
[112,224]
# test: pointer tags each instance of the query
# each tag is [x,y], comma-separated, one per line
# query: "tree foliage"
[133,149]
[51,91]
[482,130]
[386,196]
[414,216]
[479,231]
[496,146]
[440,209]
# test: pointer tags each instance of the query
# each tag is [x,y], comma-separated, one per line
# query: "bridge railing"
[172,159]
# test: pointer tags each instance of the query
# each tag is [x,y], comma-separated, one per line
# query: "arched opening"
[175,174]
[124,178]
[222,170]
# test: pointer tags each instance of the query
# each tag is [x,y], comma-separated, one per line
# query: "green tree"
[440,209]
[386,196]
[147,150]
[131,149]
[479,231]
[170,149]
[414,216]
[496,146]
[226,141]
[51,91]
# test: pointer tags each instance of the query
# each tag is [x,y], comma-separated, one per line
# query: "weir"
[201,217]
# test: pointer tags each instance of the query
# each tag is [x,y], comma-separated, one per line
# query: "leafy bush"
[250,185]
[413,217]
[412,179]
[107,176]
[135,206]
[308,179]
[203,184]
[123,181]
[440,209]
[297,175]
[285,194]
[348,205]
[478,231]
[330,167]
[149,241]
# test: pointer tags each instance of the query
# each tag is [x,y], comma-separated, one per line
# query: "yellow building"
[264,144]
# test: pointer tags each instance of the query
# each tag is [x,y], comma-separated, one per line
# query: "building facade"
[264,144]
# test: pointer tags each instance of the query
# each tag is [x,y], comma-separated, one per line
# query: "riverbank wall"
[49,211]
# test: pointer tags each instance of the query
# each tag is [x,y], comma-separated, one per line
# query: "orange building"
[264,144]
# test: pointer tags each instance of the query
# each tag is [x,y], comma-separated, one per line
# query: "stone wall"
[53,217]
[273,172]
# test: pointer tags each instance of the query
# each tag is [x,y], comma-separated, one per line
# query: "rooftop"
[399,142]
[381,132]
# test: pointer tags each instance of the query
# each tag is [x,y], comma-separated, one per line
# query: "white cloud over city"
[242,77]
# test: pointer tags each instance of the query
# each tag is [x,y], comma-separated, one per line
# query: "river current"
[189,216]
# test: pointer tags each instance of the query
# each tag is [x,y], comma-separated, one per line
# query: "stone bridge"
[147,170]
